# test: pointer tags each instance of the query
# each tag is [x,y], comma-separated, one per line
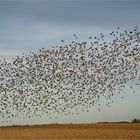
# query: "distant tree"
[135,121]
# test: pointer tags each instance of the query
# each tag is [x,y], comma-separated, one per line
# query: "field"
[120,131]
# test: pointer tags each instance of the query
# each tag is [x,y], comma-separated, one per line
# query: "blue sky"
[27,25]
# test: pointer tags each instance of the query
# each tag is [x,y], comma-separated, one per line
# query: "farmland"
[73,131]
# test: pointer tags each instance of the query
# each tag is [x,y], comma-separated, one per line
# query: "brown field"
[120,131]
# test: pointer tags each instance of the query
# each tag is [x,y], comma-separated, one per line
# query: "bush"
[135,121]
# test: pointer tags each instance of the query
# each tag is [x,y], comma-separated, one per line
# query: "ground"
[120,131]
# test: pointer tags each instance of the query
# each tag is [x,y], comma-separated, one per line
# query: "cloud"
[74,13]
[8,53]
[29,25]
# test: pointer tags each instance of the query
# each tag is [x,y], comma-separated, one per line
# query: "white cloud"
[8,53]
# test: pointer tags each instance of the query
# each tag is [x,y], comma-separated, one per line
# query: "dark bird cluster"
[68,77]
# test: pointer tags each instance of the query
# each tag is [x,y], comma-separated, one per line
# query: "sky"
[28,25]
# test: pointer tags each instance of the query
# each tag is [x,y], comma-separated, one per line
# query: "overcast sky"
[27,25]
[31,24]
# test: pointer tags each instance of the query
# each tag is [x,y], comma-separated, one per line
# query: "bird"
[70,76]
[62,41]
[90,37]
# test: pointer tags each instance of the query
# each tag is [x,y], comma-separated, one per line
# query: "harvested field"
[98,131]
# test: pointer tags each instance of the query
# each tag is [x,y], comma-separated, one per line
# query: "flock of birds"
[68,77]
